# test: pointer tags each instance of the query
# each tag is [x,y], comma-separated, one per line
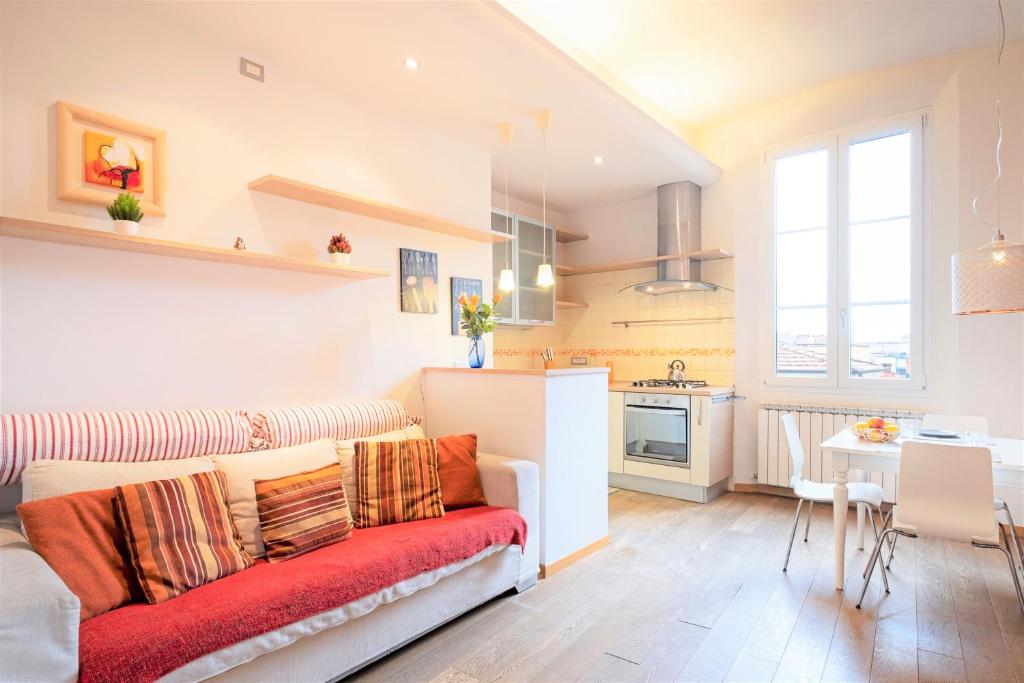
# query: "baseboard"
[547,570]
[788,493]
[763,488]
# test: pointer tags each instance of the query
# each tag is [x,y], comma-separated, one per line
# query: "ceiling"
[624,80]
[699,60]
[478,66]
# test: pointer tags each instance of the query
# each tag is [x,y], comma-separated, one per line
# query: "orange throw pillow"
[180,533]
[79,538]
[456,467]
[396,481]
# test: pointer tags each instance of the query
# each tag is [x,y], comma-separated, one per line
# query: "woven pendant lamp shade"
[989,279]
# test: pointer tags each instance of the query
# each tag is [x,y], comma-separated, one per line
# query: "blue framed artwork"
[418,282]
[469,287]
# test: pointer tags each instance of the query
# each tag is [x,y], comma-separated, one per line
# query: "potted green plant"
[126,214]
[476,320]
[340,249]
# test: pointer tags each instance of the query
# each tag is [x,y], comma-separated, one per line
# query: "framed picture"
[469,287]
[418,281]
[100,156]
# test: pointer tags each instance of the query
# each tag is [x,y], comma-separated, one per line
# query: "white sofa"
[39,615]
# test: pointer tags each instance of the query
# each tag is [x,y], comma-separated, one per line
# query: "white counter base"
[670,489]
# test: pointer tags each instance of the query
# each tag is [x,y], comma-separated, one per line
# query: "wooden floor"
[696,593]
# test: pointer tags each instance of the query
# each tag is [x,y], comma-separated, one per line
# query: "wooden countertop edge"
[554,372]
[702,391]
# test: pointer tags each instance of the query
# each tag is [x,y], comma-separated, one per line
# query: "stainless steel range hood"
[678,232]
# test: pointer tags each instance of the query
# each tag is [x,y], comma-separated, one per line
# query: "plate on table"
[938,434]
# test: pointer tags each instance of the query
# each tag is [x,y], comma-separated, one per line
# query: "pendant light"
[990,279]
[506,281]
[545,278]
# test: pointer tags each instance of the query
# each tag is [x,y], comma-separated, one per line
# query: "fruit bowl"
[876,430]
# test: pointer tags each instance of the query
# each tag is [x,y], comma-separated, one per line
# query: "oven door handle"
[656,411]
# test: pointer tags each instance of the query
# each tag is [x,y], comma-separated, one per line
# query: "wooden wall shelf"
[703,255]
[571,304]
[332,199]
[563,235]
[85,237]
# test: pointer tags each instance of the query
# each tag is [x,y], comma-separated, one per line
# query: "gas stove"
[670,384]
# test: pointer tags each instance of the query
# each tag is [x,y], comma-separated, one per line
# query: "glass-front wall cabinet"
[528,304]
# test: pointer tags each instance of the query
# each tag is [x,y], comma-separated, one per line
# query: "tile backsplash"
[638,350]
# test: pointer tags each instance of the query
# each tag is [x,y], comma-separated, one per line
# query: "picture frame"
[418,285]
[469,287]
[100,155]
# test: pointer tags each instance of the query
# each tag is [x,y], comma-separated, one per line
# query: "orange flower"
[462,299]
[474,301]
[497,298]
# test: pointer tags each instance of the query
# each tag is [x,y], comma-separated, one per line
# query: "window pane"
[880,341]
[801,345]
[880,178]
[880,261]
[801,191]
[801,269]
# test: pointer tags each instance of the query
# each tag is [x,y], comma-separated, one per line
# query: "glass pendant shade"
[989,279]
[506,281]
[545,278]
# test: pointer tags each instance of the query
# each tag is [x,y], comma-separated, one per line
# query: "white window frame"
[837,143]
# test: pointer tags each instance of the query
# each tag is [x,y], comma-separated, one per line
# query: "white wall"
[91,329]
[975,365]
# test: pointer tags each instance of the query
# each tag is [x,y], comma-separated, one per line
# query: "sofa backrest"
[171,435]
[282,427]
[118,437]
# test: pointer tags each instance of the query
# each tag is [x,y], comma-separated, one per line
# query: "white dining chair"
[979,425]
[954,508]
[813,492]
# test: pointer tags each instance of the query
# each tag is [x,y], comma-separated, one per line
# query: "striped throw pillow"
[180,533]
[302,512]
[396,481]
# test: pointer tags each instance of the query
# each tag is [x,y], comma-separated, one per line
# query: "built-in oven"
[657,429]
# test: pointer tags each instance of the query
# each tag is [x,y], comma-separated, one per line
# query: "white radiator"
[817,423]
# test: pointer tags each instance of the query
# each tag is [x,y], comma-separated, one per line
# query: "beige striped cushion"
[118,437]
[180,533]
[302,512]
[396,481]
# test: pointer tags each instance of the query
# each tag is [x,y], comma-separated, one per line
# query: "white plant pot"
[126,227]
[340,258]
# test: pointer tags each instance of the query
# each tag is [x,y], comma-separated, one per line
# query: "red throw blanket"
[143,642]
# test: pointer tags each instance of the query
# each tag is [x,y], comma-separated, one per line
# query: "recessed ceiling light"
[598,160]
[412,64]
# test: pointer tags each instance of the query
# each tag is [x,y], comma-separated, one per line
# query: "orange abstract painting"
[113,162]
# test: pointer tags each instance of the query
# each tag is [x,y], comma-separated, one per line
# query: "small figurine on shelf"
[240,244]
[126,214]
[339,249]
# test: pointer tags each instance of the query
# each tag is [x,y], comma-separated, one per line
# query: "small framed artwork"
[469,287]
[419,290]
[100,155]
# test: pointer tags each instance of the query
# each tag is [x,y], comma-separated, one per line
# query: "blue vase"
[476,352]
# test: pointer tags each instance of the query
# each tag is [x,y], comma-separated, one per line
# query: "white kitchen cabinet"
[616,444]
[710,439]
[532,245]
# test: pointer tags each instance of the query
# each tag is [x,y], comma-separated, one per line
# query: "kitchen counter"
[557,418]
[700,391]
[552,372]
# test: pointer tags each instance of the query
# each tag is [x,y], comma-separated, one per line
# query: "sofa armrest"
[515,484]
[38,614]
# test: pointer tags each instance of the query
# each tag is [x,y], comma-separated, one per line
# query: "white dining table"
[848,452]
